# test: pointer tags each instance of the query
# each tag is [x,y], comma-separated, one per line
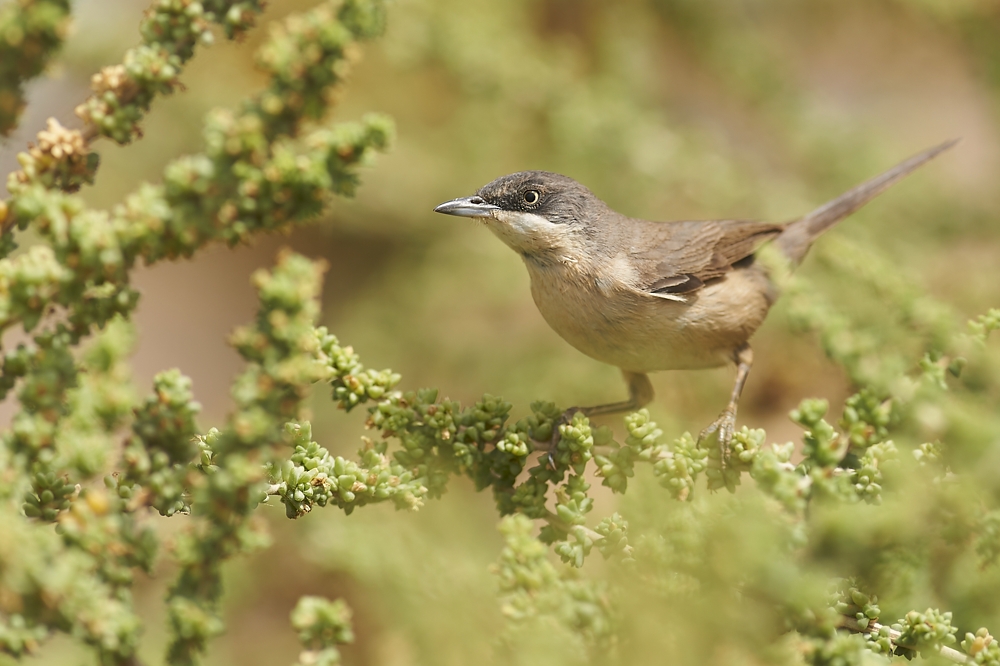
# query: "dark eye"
[531,197]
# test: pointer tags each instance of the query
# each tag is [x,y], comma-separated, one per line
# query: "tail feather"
[795,240]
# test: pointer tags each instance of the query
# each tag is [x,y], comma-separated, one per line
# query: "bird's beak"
[473,206]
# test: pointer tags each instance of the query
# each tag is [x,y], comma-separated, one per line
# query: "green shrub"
[823,553]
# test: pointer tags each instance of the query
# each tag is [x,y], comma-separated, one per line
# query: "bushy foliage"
[811,553]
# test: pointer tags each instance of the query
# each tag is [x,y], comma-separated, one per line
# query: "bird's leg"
[725,425]
[640,393]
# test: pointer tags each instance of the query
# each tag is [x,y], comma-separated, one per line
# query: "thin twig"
[951,654]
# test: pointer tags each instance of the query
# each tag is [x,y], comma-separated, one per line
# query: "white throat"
[533,235]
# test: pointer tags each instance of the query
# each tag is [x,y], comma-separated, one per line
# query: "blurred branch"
[31,31]
[122,94]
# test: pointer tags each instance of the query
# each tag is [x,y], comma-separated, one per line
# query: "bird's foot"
[723,428]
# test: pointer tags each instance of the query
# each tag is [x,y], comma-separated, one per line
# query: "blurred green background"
[666,109]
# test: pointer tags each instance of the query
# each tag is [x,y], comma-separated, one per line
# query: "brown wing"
[680,257]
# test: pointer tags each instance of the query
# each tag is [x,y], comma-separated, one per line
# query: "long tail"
[795,240]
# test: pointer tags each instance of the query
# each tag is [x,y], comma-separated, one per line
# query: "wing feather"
[681,257]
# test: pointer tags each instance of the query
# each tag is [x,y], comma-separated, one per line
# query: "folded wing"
[685,256]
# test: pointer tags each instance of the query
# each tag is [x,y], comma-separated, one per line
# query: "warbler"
[648,296]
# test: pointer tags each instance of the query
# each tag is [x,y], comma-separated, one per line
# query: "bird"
[649,296]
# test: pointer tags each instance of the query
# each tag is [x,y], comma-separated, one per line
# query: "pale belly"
[643,333]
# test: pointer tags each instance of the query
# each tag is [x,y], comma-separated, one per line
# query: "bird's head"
[539,214]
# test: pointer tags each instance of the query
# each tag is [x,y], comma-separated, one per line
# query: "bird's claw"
[723,428]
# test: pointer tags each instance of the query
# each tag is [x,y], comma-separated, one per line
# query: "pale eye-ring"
[531,197]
